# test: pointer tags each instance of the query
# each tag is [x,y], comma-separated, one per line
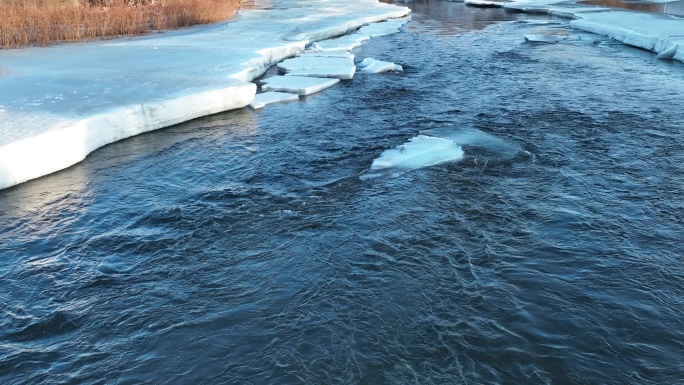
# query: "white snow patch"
[300,85]
[370,65]
[263,99]
[420,151]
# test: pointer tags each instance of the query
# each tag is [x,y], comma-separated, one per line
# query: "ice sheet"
[420,151]
[370,65]
[55,111]
[299,85]
[263,99]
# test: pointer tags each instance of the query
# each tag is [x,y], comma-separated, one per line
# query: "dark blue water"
[248,248]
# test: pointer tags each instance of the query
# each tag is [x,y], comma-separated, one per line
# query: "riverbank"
[657,32]
[45,22]
[55,112]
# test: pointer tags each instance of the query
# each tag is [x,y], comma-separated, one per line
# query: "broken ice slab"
[343,73]
[323,67]
[543,38]
[299,85]
[266,98]
[385,28]
[342,54]
[484,3]
[420,151]
[370,65]
[344,43]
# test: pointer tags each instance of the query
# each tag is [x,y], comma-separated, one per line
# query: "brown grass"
[42,22]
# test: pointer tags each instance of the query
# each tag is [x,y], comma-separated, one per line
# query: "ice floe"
[323,67]
[300,85]
[446,144]
[370,65]
[340,54]
[477,143]
[263,99]
[420,151]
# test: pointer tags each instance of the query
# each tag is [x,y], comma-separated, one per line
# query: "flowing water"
[254,248]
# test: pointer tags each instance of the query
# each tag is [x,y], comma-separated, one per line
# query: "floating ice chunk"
[344,43]
[266,98]
[420,151]
[543,38]
[477,143]
[344,73]
[299,85]
[323,67]
[370,65]
[385,28]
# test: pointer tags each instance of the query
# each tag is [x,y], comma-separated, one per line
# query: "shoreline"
[660,33]
[54,114]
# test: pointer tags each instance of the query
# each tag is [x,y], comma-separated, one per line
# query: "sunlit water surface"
[251,248]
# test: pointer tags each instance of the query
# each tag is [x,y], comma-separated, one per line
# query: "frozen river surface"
[257,247]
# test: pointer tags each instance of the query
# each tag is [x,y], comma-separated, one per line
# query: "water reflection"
[675,7]
[42,194]
[450,17]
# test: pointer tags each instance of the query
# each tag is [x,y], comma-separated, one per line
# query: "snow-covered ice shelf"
[660,33]
[57,104]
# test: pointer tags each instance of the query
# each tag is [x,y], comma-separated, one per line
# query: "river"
[256,248]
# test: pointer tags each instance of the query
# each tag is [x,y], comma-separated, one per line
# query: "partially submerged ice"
[300,85]
[420,151]
[370,65]
[445,144]
[550,39]
[54,112]
[265,98]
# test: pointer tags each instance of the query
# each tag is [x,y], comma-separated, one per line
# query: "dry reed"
[42,22]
